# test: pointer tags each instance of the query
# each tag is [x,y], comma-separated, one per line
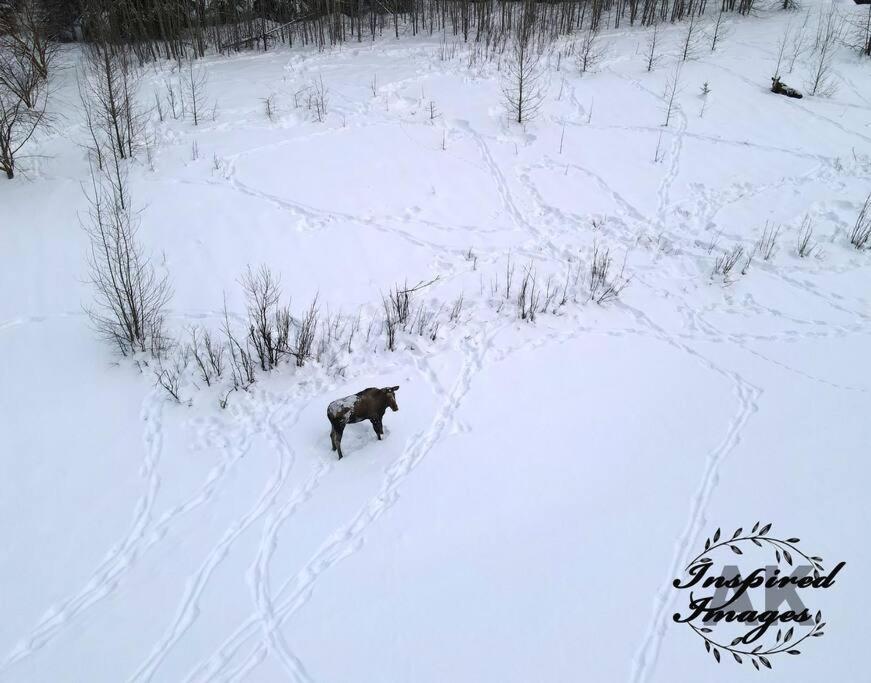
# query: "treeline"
[176,29]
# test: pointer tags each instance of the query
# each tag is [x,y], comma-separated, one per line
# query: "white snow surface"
[542,484]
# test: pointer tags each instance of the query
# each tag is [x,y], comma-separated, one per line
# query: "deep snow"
[541,484]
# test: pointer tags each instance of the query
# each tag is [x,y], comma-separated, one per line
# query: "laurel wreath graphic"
[784,550]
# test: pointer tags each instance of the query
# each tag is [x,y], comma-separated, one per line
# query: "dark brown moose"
[783,89]
[369,404]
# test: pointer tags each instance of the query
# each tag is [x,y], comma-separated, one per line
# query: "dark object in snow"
[862,2]
[783,89]
[369,404]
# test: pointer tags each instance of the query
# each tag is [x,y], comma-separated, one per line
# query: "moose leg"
[333,437]
[379,429]
[338,438]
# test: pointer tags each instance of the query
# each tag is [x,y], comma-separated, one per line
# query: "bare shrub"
[306,331]
[726,262]
[805,246]
[605,287]
[242,363]
[398,308]
[208,355]
[130,295]
[269,106]
[169,375]
[768,242]
[528,297]
[268,323]
[860,235]
[456,309]
[316,99]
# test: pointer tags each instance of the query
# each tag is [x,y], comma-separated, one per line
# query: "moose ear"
[396,388]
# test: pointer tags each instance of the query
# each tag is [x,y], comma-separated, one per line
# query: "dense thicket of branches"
[178,29]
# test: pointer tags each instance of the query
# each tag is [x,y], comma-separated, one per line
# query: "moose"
[369,404]
[783,89]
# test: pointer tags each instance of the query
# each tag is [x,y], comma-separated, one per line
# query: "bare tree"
[671,90]
[108,91]
[781,49]
[860,38]
[590,51]
[799,41]
[26,51]
[652,43]
[691,39]
[193,84]
[719,32]
[130,295]
[18,124]
[822,77]
[523,87]
[865,34]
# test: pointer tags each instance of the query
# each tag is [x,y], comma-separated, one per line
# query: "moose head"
[390,395]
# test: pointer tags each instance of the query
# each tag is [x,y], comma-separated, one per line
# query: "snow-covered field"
[541,484]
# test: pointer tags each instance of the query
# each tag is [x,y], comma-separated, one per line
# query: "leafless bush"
[605,287]
[398,307]
[860,235]
[208,355]
[170,375]
[269,106]
[316,99]
[805,246]
[726,262]
[456,309]
[242,363]
[130,296]
[306,331]
[426,322]
[268,323]
[528,297]
[767,244]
